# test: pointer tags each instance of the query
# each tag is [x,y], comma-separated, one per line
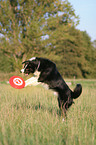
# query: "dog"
[45,72]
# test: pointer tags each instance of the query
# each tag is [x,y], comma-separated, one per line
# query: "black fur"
[50,76]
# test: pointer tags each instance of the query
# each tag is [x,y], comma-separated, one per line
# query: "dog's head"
[30,66]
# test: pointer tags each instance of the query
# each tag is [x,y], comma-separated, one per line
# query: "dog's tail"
[77,91]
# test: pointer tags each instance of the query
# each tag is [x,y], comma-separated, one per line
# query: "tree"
[94,44]
[23,22]
[74,50]
[47,29]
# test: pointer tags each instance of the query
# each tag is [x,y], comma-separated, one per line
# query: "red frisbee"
[17,82]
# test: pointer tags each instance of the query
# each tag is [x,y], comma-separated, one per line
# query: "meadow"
[30,116]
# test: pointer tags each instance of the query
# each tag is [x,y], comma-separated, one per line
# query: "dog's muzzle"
[22,70]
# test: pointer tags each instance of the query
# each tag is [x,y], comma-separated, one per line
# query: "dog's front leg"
[32,81]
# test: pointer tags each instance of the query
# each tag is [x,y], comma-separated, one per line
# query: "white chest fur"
[37,74]
[34,81]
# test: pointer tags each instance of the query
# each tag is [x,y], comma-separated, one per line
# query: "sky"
[86,9]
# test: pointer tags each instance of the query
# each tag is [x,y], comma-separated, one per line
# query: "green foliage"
[74,50]
[47,29]
[30,116]
[6,64]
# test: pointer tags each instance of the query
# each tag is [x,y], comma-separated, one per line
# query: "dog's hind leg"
[62,107]
[59,102]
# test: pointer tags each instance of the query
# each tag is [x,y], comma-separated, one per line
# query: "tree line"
[46,29]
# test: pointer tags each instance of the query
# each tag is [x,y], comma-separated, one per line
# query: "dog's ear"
[26,62]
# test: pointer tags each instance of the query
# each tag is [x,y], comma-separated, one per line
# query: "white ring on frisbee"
[17,81]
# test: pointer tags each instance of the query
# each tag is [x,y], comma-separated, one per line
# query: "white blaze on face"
[33,58]
[22,70]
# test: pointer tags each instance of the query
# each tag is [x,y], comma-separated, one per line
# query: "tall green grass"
[31,116]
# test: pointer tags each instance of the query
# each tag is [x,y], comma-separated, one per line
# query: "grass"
[30,116]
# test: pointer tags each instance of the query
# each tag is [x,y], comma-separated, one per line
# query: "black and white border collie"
[45,72]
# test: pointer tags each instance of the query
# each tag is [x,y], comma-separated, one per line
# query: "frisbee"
[17,82]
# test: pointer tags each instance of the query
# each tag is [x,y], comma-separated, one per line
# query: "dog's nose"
[22,71]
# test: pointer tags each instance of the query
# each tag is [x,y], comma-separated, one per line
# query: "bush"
[6,64]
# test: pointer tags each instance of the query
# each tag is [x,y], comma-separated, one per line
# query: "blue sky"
[86,9]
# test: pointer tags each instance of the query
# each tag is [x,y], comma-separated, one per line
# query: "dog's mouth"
[26,74]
